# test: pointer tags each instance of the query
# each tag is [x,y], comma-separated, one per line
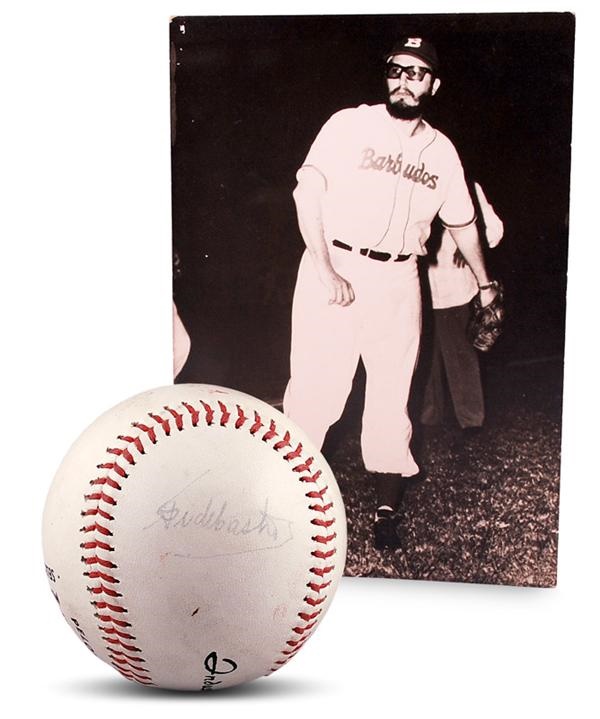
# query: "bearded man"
[373,181]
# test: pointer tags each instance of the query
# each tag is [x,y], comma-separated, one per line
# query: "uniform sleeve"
[494,227]
[457,210]
[327,148]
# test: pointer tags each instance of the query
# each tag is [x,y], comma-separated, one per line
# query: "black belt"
[371,254]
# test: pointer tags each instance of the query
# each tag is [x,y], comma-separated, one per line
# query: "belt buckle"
[379,256]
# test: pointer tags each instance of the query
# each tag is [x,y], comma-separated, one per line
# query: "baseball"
[193,538]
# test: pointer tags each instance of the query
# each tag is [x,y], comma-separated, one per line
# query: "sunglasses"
[412,72]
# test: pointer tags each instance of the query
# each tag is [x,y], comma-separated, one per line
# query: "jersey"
[384,189]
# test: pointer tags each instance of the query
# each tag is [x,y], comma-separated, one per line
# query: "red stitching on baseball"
[130,674]
[257,424]
[302,630]
[101,575]
[97,528]
[128,671]
[122,658]
[111,607]
[98,560]
[270,433]
[294,454]
[97,544]
[314,602]
[128,647]
[116,632]
[210,413]
[195,414]
[136,441]
[133,677]
[321,507]
[304,467]
[326,523]
[322,571]
[318,589]
[115,468]
[291,652]
[241,417]
[177,417]
[296,646]
[101,497]
[103,481]
[312,477]
[148,430]
[106,618]
[164,423]
[105,610]
[317,495]
[125,659]
[125,453]
[97,511]
[285,442]
[324,555]
[225,415]
[104,590]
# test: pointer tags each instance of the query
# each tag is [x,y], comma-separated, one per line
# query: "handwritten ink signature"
[217,516]
[211,665]
[173,516]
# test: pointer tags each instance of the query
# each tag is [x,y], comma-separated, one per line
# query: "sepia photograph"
[382,225]
[370,233]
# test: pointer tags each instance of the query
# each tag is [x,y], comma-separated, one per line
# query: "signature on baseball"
[214,669]
[258,528]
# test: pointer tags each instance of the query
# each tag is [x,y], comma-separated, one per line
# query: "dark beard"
[407,112]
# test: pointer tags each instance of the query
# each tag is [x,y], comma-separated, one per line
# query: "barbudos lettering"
[387,163]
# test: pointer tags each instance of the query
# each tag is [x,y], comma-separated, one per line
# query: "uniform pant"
[453,354]
[382,326]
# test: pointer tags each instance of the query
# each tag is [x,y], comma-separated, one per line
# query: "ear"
[436,85]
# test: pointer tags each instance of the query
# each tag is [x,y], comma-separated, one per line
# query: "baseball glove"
[487,322]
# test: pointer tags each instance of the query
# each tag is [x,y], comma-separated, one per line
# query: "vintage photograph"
[370,232]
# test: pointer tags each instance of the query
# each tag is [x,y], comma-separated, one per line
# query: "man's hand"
[308,197]
[340,290]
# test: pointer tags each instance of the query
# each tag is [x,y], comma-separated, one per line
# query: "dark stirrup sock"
[389,489]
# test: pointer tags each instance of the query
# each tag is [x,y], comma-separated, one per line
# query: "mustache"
[401,91]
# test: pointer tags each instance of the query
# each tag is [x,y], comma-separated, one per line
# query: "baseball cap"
[417,46]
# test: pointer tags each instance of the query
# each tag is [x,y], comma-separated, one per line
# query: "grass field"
[486,513]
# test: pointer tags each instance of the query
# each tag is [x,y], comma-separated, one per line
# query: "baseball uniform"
[452,289]
[382,191]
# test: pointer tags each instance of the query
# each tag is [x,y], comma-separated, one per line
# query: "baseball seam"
[116,632]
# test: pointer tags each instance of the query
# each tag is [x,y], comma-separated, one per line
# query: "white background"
[86,322]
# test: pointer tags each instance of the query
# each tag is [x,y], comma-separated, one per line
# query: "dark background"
[249,96]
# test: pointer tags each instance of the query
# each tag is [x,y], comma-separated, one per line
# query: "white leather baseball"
[194,537]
